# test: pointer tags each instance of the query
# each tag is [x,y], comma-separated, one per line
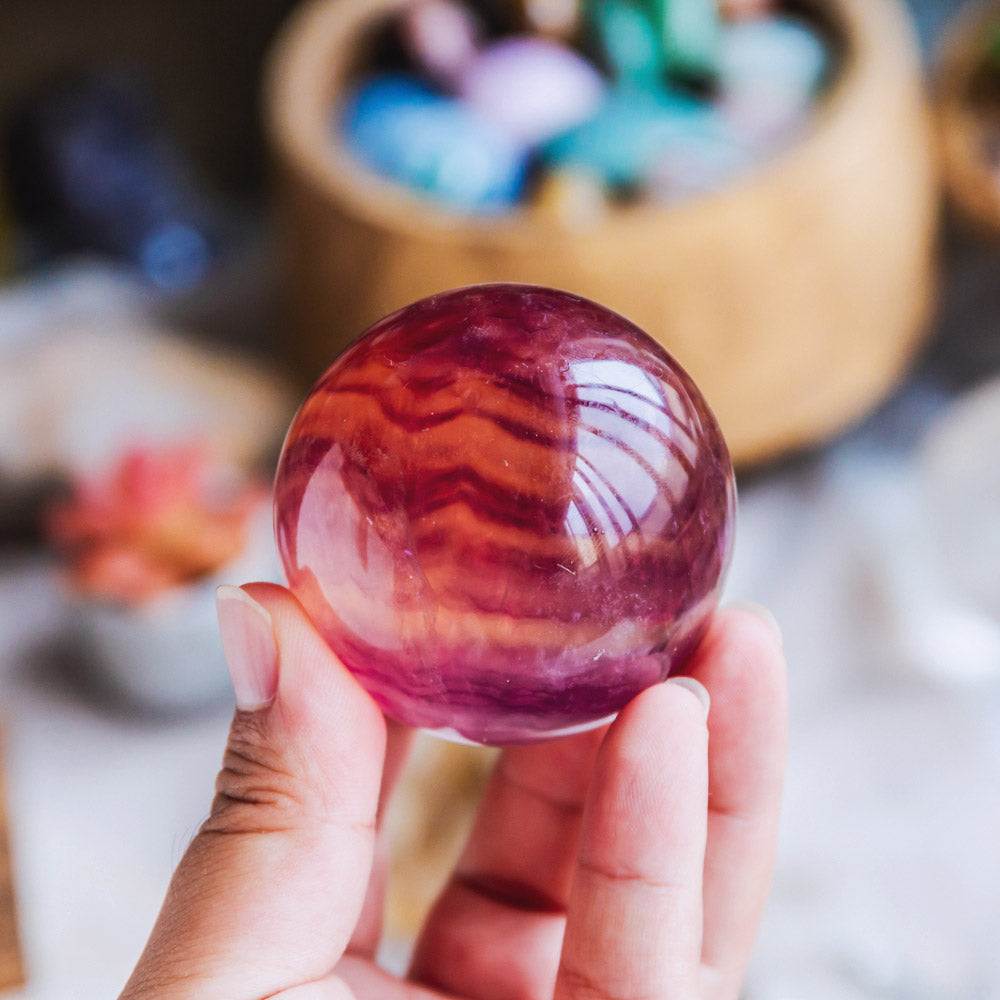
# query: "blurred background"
[201,204]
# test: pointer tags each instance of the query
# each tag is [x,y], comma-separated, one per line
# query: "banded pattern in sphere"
[507,510]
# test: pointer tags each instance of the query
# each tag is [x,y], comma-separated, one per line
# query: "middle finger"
[496,930]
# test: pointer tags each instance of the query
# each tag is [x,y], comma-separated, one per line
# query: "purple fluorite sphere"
[507,510]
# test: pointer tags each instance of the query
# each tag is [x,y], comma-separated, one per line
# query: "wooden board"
[11,964]
[963,120]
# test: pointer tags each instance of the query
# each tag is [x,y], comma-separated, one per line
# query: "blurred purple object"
[442,37]
[535,88]
[92,169]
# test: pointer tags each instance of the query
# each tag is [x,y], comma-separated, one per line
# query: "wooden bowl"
[972,182]
[795,297]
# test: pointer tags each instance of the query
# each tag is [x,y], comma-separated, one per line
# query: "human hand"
[629,861]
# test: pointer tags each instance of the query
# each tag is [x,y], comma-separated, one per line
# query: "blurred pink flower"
[160,518]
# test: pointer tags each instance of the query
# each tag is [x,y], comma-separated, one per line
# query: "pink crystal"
[533,88]
[498,504]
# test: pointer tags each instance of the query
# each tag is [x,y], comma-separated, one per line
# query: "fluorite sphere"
[507,510]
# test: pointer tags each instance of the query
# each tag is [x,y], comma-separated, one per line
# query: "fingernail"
[696,688]
[248,642]
[764,614]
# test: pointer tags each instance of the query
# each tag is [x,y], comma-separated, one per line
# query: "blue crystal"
[632,128]
[433,144]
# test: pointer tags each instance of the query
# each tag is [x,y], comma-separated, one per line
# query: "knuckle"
[254,790]
[578,984]
[624,874]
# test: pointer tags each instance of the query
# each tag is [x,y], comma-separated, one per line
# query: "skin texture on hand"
[627,862]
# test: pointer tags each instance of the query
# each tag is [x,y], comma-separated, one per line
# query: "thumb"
[269,891]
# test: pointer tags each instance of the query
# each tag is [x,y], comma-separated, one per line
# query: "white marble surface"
[888,883]
[101,803]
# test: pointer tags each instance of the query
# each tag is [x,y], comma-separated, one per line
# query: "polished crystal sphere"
[508,511]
